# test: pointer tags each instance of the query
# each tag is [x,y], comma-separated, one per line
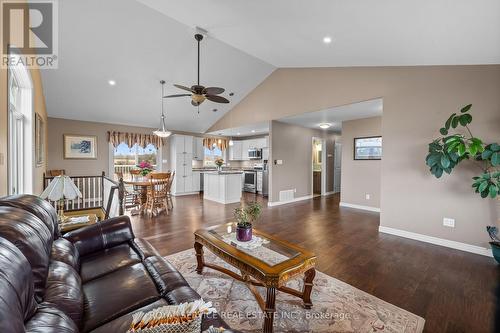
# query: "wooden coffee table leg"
[269,309]
[308,285]
[199,257]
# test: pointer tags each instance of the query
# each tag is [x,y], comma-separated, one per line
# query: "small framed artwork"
[368,148]
[39,140]
[80,146]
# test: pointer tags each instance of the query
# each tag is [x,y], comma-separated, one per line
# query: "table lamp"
[59,189]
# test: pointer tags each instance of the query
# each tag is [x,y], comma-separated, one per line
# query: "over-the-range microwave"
[255,154]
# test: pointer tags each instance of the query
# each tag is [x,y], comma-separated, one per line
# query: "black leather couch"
[89,280]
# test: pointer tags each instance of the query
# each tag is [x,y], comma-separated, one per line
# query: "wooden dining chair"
[56,172]
[169,193]
[157,193]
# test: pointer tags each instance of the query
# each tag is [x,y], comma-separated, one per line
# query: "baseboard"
[369,208]
[329,193]
[278,203]
[437,241]
[184,193]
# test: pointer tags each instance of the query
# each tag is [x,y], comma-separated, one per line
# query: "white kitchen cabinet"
[244,150]
[198,149]
[259,181]
[196,181]
[181,159]
[235,151]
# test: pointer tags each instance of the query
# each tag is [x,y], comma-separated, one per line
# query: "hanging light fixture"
[162,132]
[231,142]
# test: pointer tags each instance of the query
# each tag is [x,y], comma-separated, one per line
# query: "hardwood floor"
[453,290]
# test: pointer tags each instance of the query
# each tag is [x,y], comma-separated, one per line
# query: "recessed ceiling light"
[238,133]
[214,110]
[112,82]
[325,125]
[253,131]
[327,39]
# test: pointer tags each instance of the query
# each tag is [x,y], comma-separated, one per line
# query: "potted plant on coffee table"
[449,150]
[245,217]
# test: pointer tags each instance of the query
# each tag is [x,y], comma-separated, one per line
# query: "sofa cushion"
[101,263]
[49,319]
[17,302]
[64,251]
[37,206]
[167,278]
[116,294]
[122,324]
[32,238]
[64,290]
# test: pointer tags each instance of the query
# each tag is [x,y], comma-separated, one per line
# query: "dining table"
[140,185]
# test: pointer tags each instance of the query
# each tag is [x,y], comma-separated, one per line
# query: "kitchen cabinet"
[198,149]
[259,181]
[236,151]
[181,159]
[244,150]
[196,187]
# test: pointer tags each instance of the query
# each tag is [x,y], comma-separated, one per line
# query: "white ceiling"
[289,33]
[126,41]
[247,130]
[335,116]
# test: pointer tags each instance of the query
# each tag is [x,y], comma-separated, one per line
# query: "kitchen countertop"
[223,172]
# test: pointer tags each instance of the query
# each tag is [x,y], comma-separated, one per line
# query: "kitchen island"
[222,186]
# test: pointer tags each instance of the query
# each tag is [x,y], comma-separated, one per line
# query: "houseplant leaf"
[445,161]
[466,108]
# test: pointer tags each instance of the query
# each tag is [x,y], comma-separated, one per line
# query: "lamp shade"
[61,187]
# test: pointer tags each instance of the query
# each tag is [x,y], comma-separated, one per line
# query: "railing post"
[121,196]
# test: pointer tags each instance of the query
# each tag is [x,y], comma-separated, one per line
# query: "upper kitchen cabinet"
[239,150]
[198,149]
[182,144]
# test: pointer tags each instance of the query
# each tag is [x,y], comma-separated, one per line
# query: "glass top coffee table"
[271,263]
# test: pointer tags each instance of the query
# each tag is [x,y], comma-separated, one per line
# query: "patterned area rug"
[337,306]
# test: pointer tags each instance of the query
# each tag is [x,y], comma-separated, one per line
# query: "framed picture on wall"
[39,140]
[80,146]
[368,148]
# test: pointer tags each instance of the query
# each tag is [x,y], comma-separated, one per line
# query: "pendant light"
[162,132]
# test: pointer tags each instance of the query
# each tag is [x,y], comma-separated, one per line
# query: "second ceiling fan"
[198,92]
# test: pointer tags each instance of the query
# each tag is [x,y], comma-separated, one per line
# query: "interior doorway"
[318,166]
[337,163]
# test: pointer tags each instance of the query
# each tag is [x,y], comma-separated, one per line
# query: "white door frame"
[323,165]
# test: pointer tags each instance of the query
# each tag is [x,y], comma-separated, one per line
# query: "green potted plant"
[447,151]
[245,217]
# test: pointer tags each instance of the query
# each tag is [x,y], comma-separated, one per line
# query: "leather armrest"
[101,235]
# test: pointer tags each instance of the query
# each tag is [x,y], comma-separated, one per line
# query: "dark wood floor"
[453,290]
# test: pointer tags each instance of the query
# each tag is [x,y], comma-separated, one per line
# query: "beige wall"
[293,145]
[417,100]
[360,177]
[58,127]
[38,106]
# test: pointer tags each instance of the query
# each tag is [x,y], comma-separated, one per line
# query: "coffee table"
[256,269]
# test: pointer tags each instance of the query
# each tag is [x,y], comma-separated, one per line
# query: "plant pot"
[495,247]
[243,234]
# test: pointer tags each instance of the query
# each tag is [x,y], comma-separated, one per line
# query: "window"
[211,155]
[126,158]
[20,137]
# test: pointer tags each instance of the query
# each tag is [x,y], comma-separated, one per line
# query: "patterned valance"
[115,138]
[219,142]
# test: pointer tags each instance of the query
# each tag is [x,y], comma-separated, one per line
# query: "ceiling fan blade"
[176,95]
[183,87]
[216,99]
[213,90]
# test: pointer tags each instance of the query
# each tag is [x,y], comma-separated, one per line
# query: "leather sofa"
[90,280]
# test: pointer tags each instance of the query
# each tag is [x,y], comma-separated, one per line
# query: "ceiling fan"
[198,92]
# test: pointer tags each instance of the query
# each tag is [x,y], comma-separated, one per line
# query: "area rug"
[337,306]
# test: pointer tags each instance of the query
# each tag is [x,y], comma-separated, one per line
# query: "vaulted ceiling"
[139,42]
